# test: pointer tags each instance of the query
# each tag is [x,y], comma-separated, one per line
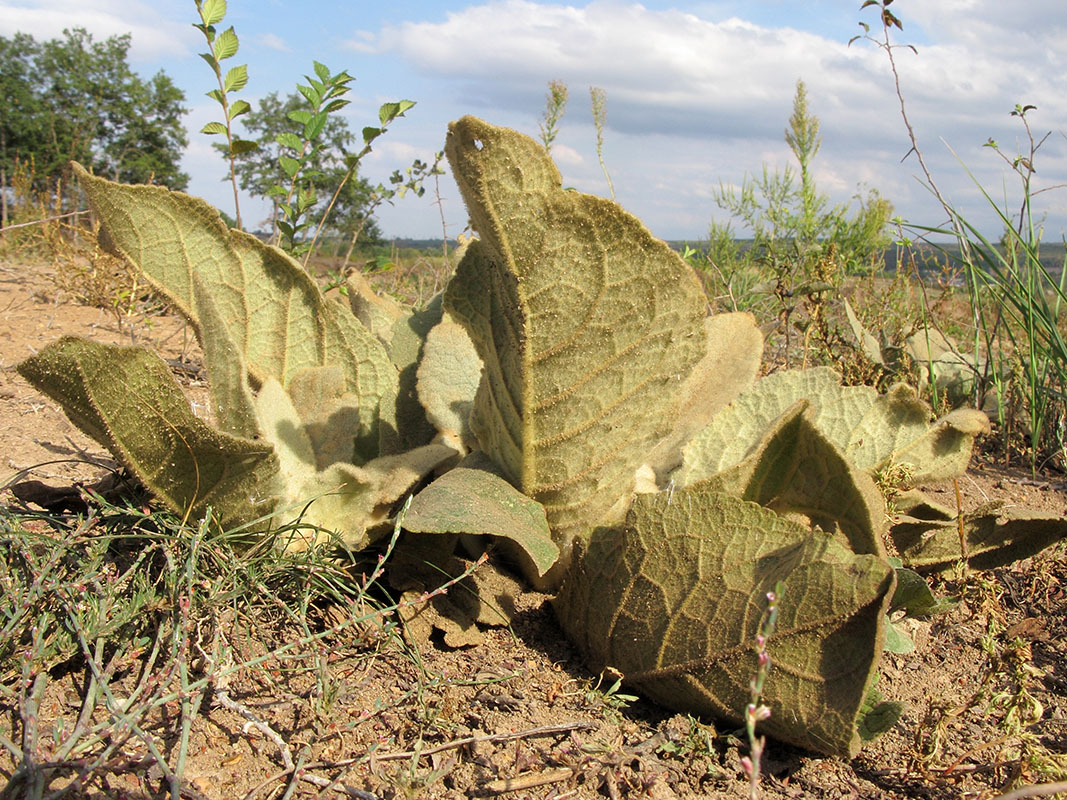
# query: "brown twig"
[529,781]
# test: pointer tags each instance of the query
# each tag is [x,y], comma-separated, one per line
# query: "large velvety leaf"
[403,331]
[231,396]
[729,366]
[587,327]
[126,399]
[329,414]
[873,431]
[274,313]
[673,601]
[472,500]
[797,472]
[345,503]
[447,382]
[928,539]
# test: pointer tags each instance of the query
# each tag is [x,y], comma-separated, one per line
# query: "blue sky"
[698,93]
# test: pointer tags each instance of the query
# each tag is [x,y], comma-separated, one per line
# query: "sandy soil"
[517,715]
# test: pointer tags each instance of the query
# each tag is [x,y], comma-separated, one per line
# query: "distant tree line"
[76,99]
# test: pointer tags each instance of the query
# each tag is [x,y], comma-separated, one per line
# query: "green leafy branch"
[324,97]
[416,172]
[223,46]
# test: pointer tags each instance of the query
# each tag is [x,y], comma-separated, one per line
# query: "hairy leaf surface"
[476,501]
[448,378]
[127,399]
[797,472]
[673,601]
[729,366]
[274,313]
[586,324]
[873,431]
[993,536]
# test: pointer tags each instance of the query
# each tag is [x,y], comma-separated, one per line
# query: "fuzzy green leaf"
[586,324]
[406,340]
[797,472]
[896,641]
[993,536]
[914,598]
[275,314]
[328,412]
[874,431]
[730,364]
[127,399]
[476,501]
[350,503]
[673,601]
[232,401]
[448,377]
[214,128]
[868,344]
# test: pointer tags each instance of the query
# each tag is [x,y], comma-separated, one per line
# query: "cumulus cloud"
[274,42]
[714,92]
[157,29]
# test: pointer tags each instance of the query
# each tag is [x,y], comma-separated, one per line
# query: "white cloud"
[154,34]
[691,97]
[274,42]
[565,156]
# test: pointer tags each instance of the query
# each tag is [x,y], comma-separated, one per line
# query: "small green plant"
[223,46]
[598,100]
[301,156]
[611,697]
[783,213]
[555,107]
[324,95]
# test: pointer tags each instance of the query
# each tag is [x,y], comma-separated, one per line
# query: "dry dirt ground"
[518,715]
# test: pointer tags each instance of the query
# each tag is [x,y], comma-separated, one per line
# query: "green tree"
[21,104]
[78,99]
[259,170]
[780,210]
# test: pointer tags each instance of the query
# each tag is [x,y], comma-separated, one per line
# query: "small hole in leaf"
[478,144]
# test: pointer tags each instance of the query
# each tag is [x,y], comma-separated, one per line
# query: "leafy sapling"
[415,173]
[325,95]
[223,46]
